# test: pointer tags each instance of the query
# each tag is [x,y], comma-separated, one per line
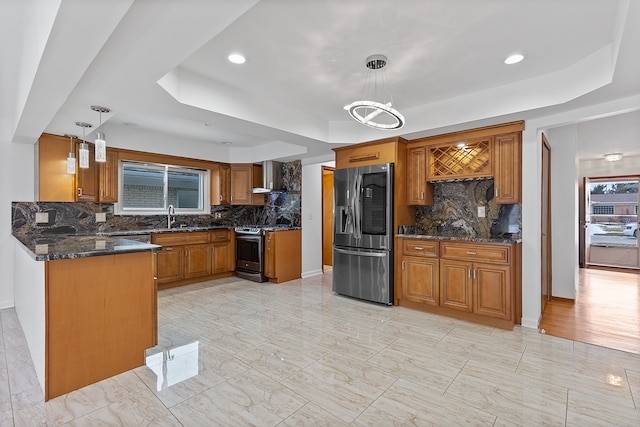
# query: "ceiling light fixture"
[613,157]
[514,59]
[366,111]
[71,157]
[101,143]
[83,148]
[236,58]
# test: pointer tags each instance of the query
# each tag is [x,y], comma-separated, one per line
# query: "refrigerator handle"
[357,213]
[359,253]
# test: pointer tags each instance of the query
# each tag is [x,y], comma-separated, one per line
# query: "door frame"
[546,236]
[327,222]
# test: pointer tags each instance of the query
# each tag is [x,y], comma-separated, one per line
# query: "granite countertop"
[495,239]
[163,230]
[52,247]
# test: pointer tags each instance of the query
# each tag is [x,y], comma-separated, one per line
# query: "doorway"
[327,217]
[611,222]
[545,276]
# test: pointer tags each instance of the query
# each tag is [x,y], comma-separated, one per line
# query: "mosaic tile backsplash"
[79,218]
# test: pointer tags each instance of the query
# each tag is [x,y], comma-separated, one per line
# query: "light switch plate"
[481,212]
[101,217]
[42,217]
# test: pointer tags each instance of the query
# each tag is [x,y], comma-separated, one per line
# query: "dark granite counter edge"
[112,248]
[461,239]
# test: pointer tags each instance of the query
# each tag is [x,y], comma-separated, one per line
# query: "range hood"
[272,181]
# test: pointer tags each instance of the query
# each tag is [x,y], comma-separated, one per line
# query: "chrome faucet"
[171,216]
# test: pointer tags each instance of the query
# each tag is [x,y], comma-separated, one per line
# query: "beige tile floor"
[236,353]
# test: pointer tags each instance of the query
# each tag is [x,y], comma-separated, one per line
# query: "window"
[149,189]
[602,209]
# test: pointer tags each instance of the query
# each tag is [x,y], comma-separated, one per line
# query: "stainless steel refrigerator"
[363,232]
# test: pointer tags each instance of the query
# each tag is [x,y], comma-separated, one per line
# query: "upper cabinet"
[244,177]
[87,179]
[54,183]
[490,152]
[419,191]
[507,156]
[108,178]
[462,159]
[221,184]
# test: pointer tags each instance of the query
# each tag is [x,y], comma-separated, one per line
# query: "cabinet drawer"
[220,236]
[180,238]
[421,248]
[476,252]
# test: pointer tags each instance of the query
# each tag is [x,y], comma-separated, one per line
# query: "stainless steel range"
[250,253]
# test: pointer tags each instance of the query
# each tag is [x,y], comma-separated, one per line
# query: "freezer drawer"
[363,274]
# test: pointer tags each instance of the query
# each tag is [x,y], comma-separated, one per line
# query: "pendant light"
[71,158]
[101,143]
[83,147]
[367,110]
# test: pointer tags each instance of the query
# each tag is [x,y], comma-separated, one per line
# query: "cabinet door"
[456,285]
[508,168]
[221,184]
[109,178]
[221,257]
[241,180]
[270,254]
[418,191]
[492,290]
[169,261]
[87,179]
[197,260]
[54,183]
[420,280]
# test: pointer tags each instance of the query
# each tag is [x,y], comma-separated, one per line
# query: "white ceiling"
[161,66]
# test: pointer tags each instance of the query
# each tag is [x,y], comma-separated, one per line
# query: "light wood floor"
[606,311]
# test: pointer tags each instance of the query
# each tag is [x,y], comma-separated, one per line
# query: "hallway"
[606,311]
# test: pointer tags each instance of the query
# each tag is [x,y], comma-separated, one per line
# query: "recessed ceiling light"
[514,59]
[236,58]
[226,143]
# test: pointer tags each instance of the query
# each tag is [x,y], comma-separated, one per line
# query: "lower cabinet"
[283,255]
[188,257]
[470,280]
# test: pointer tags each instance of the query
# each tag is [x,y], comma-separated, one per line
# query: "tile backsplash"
[80,217]
[455,211]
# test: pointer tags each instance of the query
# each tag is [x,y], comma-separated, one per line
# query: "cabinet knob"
[418,248]
[220,197]
[472,253]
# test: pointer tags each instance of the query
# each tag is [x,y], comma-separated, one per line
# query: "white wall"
[564,207]
[311,219]
[16,184]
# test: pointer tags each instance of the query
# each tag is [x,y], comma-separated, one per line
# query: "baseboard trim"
[7,304]
[311,273]
[529,323]
[565,300]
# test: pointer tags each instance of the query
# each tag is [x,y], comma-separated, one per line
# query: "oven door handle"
[358,253]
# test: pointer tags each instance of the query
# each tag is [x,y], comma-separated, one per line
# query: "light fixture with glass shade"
[71,157]
[101,143]
[379,113]
[83,147]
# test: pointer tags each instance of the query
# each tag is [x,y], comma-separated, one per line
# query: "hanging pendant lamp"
[71,157]
[376,108]
[101,143]
[83,147]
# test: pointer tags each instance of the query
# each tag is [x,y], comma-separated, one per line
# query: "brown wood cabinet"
[223,251]
[100,318]
[54,183]
[244,177]
[420,272]
[469,158]
[221,184]
[197,260]
[474,281]
[419,191]
[192,256]
[508,168]
[108,178]
[87,179]
[283,255]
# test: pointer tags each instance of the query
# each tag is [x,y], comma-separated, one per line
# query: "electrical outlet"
[101,217]
[42,217]
[481,212]
[217,215]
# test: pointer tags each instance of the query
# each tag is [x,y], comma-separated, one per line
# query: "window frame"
[203,197]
